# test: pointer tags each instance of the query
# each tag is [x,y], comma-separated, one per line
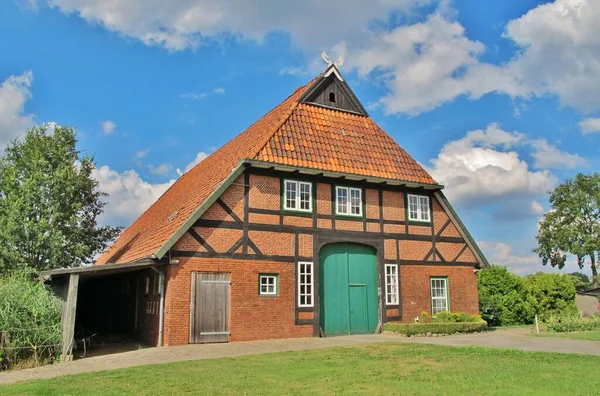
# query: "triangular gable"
[333,92]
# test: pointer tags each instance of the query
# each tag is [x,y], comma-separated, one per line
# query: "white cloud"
[547,156]
[475,170]
[199,157]
[142,153]
[522,263]
[427,64]
[590,125]
[129,195]
[108,127]
[14,121]
[161,169]
[181,24]
[537,208]
[202,95]
[559,51]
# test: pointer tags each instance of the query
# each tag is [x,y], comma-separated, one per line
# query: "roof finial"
[338,62]
[326,58]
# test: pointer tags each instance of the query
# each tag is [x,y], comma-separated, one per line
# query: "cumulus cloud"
[480,167]
[559,51]
[433,62]
[182,24]
[14,93]
[518,262]
[590,125]
[547,156]
[108,127]
[427,64]
[129,194]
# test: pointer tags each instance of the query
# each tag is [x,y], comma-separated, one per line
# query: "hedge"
[434,328]
[571,322]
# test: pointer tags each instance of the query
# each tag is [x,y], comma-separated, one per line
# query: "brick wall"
[416,290]
[252,317]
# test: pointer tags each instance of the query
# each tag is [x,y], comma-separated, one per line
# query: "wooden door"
[211,301]
[348,289]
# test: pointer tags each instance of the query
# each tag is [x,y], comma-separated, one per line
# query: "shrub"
[454,317]
[553,294]
[435,328]
[503,298]
[571,322]
[30,327]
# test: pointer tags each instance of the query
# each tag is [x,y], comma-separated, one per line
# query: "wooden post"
[68,318]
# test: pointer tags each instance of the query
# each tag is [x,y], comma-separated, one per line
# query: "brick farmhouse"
[312,222]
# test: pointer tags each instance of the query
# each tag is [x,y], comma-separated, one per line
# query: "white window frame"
[302,281]
[422,202]
[349,191]
[445,298]
[392,295]
[266,277]
[297,199]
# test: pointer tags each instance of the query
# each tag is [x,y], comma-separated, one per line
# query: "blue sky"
[498,100]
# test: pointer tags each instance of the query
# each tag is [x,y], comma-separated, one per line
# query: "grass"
[384,369]
[574,335]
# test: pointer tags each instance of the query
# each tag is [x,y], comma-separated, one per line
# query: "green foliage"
[553,294]
[454,317]
[434,328]
[30,329]
[580,280]
[573,224]
[571,322]
[503,298]
[49,203]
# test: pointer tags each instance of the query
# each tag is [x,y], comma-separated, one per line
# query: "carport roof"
[102,269]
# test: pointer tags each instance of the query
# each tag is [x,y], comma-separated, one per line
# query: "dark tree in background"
[49,203]
[572,226]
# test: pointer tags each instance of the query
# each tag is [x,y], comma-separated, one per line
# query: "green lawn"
[384,369]
[575,335]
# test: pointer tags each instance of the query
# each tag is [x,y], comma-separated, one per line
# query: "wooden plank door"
[348,289]
[211,301]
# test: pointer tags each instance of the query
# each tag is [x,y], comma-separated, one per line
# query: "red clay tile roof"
[293,133]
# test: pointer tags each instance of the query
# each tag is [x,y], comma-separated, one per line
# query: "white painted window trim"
[420,215]
[348,204]
[297,198]
[446,294]
[260,284]
[311,284]
[391,298]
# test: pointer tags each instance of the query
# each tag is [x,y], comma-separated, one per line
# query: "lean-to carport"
[128,297]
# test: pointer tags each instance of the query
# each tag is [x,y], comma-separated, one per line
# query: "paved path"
[514,338]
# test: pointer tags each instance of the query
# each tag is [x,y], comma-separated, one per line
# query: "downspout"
[161,310]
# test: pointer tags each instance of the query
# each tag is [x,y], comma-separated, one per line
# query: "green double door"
[348,289]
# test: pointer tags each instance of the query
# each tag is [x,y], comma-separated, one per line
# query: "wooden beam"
[68,318]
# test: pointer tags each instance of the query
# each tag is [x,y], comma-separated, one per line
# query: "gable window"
[418,208]
[267,285]
[305,284]
[297,196]
[348,201]
[391,284]
[439,295]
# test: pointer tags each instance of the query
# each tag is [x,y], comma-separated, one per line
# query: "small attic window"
[332,97]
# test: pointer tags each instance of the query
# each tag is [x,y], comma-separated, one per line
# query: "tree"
[49,203]
[580,280]
[554,294]
[573,224]
[503,298]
